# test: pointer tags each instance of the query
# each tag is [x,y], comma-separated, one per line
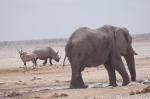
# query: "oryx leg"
[25,67]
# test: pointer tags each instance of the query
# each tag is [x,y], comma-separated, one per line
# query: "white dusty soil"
[53,81]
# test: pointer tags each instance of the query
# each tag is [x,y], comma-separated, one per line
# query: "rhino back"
[42,53]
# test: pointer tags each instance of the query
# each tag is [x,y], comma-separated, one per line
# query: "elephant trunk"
[131,65]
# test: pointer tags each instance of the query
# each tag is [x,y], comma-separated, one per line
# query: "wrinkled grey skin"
[47,53]
[92,47]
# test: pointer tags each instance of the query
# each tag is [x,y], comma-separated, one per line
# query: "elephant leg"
[119,66]
[50,61]
[45,62]
[116,61]
[111,73]
[76,79]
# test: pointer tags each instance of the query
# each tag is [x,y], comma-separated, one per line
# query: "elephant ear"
[125,33]
[128,39]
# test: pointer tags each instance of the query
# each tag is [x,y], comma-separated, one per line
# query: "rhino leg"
[45,62]
[76,79]
[111,74]
[50,61]
[24,63]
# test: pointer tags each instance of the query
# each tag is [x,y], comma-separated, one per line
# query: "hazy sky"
[39,19]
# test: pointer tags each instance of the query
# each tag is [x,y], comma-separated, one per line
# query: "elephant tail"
[67,51]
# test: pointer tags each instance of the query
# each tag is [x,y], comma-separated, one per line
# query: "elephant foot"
[125,83]
[78,87]
[126,79]
[77,84]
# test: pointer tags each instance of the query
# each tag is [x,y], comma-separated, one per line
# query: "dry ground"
[53,81]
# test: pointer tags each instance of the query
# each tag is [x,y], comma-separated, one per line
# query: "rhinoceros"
[46,53]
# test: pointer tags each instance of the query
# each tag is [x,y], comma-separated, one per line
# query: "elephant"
[88,47]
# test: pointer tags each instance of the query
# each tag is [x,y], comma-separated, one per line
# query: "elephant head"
[124,43]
